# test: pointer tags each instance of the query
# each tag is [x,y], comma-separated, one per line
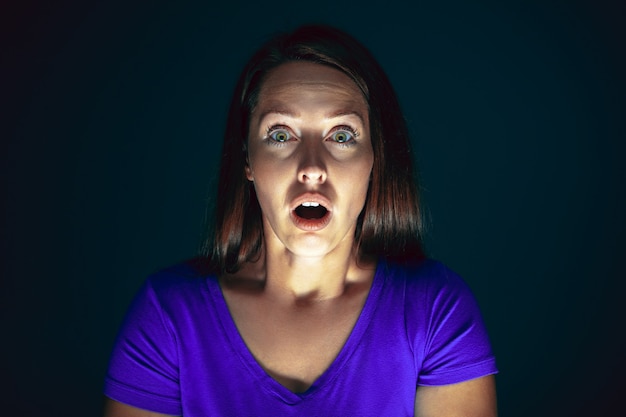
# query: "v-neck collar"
[263,379]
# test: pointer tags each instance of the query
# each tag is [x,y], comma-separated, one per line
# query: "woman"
[317,299]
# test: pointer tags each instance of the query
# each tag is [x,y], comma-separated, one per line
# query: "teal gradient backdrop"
[111,120]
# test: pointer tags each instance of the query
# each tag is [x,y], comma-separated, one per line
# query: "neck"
[298,278]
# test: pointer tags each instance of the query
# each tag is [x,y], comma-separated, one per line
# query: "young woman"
[316,299]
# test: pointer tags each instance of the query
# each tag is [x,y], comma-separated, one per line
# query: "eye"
[280,135]
[343,135]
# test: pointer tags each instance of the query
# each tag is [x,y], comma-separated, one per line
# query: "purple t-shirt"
[179,351]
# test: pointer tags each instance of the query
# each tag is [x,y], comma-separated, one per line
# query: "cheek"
[269,182]
[367,168]
[358,182]
[260,169]
[265,196]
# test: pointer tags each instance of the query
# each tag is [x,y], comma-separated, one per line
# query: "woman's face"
[310,157]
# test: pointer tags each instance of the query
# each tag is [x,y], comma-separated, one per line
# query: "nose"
[312,169]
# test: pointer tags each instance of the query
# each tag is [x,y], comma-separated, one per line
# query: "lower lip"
[311,225]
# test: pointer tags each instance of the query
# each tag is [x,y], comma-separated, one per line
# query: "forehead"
[295,84]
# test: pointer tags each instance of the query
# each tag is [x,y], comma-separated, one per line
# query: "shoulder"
[432,289]
[182,284]
[443,323]
[426,277]
[170,301]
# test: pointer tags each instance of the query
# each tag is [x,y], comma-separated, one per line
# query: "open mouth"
[310,211]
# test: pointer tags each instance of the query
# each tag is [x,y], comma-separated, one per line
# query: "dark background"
[111,119]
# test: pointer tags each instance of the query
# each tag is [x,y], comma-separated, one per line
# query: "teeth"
[310,204]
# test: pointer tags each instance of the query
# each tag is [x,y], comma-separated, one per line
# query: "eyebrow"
[280,111]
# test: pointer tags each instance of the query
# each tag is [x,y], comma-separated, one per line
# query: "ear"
[249,176]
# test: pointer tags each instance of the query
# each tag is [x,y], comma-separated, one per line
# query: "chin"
[312,245]
[312,249]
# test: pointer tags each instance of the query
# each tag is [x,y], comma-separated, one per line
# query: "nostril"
[312,174]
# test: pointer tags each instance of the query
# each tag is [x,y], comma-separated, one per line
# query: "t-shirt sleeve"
[143,370]
[452,344]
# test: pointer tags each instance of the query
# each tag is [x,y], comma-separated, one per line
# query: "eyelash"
[349,129]
[273,128]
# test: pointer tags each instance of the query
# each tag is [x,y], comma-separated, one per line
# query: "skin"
[304,296]
[296,306]
[309,103]
[117,409]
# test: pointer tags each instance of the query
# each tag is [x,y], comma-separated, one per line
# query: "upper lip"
[310,198]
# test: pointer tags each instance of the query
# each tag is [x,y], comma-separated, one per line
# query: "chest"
[359,361]
[295,346]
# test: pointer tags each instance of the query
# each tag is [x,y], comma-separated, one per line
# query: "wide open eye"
[342,136]
[280,135]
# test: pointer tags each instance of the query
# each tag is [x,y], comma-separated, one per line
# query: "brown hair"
[390,224]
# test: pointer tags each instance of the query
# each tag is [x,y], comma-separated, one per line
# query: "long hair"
[390,224]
